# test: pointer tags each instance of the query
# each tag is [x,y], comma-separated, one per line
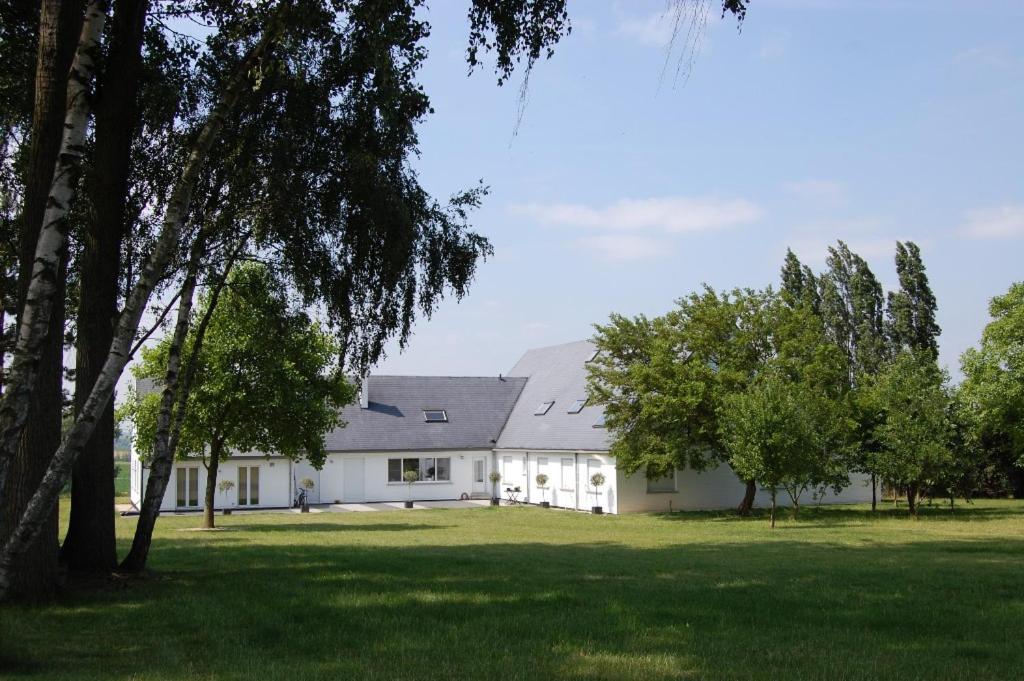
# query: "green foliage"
[993,386]
[264,379]
[542,480]
[786,433]
[411,476]
[911,310]
[915,430]
[494,477]
[665,382]
[597,480]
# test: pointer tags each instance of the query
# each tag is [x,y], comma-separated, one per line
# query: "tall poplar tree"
[911,310]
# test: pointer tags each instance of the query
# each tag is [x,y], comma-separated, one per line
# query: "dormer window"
[543,408]
[435,416]
[577,406]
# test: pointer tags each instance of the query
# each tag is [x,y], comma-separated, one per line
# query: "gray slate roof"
[555,373]
[477,408]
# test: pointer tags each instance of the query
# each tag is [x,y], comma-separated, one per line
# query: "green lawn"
[521,593]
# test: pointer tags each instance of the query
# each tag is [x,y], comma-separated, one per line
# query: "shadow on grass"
[337,527]
[849,515]
[756,610]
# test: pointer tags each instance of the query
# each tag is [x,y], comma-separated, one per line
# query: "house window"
[599,423]
[435,416]
[506,467]
[543,408]
[187,484]
[568,482]
[428,469]
[662,485]
[248,485]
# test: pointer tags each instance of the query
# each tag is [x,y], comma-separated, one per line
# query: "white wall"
[375,477]
[275,489]
[567,488]
[717,489]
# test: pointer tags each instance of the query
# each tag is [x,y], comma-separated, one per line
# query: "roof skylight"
[543,408]
[435,416]
[577,406]
[599,423]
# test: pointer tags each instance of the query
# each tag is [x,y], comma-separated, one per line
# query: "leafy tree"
[262,381]
[911,310]
[993,386]
[851,305]
[664,381]
[785,434]
[799,285]
[914,428]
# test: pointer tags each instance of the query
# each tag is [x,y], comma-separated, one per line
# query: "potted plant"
[542,484]
[495,478]
[225,486]
[410,477]
[306,484]
[596,480]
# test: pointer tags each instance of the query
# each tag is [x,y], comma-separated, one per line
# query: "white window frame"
[246,491]
[420,467]
[543,408]
[191,472]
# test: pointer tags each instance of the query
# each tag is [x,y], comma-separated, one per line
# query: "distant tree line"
[799,388]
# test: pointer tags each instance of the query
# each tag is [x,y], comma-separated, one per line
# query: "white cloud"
[655,30]
[625,247]
[814,189]
[1003,222]
[674,214]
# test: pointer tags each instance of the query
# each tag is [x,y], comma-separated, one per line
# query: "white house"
[453,431]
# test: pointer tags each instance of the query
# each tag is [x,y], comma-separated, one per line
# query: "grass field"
[522,593]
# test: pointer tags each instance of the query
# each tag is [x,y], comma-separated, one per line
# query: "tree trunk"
[211,484]
[90,542]
[874,494]
[773,509]
[167,243]
[912,499]
[748,499]
[44,291]
[174,397]
[36,575]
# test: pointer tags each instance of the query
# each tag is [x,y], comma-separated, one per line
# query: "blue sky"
[627,186]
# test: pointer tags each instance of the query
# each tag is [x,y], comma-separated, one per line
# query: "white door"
[480,475]
[353,482]
[304,470]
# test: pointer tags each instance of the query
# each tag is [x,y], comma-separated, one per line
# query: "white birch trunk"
[52,241]
[128,323]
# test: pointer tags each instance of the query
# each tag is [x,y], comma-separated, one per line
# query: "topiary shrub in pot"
[495,478]
[306,484]
[542,484]
[225,486]
[410,477]
[596,481]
